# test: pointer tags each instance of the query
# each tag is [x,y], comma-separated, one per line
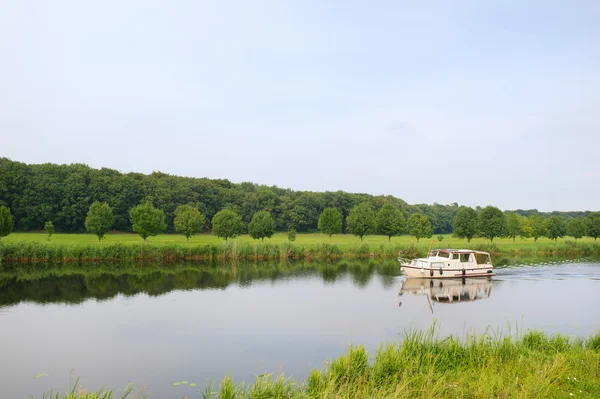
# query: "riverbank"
[31,247]
[534,365]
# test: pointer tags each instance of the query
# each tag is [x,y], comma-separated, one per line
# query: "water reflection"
[448,290]
[76,283]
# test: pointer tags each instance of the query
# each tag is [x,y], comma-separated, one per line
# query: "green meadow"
[344,241]
[35,247]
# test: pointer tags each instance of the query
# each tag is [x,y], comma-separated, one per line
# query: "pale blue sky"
[475,102]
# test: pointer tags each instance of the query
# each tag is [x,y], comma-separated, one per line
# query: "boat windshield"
[442,254]
[483,259]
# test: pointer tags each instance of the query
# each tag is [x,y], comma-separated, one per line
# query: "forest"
[62,194]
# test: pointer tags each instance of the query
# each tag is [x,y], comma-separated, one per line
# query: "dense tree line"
[63,194]
[76,198]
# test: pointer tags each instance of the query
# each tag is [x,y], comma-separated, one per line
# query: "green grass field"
[34,247]
[343,241]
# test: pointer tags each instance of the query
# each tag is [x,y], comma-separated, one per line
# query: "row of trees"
[148,221]
[361,221]
[63,194]
[491,222]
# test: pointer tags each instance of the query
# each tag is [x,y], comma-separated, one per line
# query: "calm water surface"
[156,326]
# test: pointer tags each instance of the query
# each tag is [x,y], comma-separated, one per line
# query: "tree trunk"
[417,240]
[514,239]
[187,239]
[389,238]
[262,239]
[361,239]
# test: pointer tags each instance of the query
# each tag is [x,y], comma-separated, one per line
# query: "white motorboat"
[449,263]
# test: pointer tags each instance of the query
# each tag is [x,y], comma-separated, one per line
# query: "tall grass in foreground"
[80,393]
[35,251]
[534,365]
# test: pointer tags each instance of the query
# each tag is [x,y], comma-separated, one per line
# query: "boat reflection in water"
[448,290]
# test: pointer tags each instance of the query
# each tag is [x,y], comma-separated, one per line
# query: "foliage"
[261,226]
[576,228]
[513,225]
[227,224]
[419,226]
[539,227]
[557,227]
[361,220]
[147,221]
[6,221]
[188,221]
[466,223]
[99,219]
[526,229]
[389,221]
[292,234]
[492,223]
[440,238]
[64,193]
[49,228]
[592,224]
[330,222]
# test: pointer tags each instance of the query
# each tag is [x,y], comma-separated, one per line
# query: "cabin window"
[444,255]
[455,256]
[465,257]
[482,259]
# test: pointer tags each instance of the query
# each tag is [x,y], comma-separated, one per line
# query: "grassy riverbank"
[422,366]
[33,247]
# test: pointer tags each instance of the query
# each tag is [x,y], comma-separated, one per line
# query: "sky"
[475,102]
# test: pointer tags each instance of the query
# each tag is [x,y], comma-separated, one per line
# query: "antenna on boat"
[430,246]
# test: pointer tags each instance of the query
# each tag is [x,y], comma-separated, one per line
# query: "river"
[155,325]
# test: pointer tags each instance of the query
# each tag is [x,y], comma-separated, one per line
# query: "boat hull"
[427,272]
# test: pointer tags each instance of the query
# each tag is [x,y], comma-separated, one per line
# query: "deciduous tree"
[361,220]
[576,228]
[492,223]
[6,221]
[49,228]
[227,224]
[330,222]
[292,234]
[147,220]
[188,221]
[526,229]
[592,225]
[419,226]
[539,227]
[557,227]
[389,221]
[99,219]
[466,223]
[261,226]
[513,225]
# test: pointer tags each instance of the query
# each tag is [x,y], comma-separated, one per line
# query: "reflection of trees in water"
[69,284]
